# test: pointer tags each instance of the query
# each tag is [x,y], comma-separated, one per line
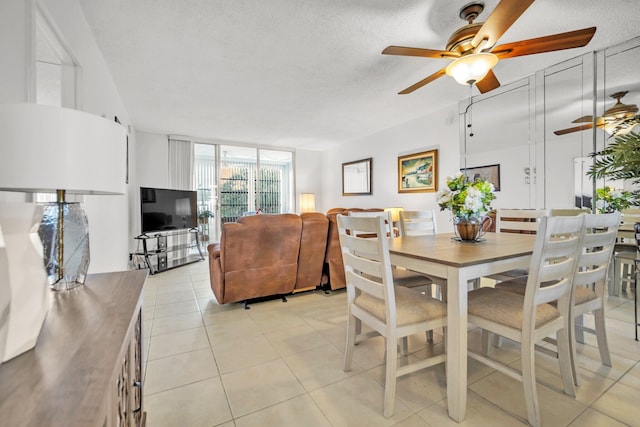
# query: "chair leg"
[614,289]
[404,346]
[573,330]
[390,376]
[565,361]
[486,346]
[601,336]
[579,330]
[351,342]
[529,381]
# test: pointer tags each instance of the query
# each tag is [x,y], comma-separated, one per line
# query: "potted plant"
[612,199]
[620,160]
[204,215]
[469,203]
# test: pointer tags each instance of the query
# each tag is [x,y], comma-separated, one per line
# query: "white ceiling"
[308,73]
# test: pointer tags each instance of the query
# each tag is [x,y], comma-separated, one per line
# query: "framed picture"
[418,173]
[356,178]
[489,173]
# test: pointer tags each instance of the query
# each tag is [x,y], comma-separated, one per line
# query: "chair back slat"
[388,224]
[598,244]
[417,223]
[366,260]
[365,284]
[519,220]
[554,259]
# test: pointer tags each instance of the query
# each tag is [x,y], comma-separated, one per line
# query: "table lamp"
[307,202]
[65,151]
[395,213]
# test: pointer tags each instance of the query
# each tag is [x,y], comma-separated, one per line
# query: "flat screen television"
[164,210]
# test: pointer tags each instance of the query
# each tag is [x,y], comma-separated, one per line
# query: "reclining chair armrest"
[214,250]
[216,276]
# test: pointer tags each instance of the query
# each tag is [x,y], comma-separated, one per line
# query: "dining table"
[459,262]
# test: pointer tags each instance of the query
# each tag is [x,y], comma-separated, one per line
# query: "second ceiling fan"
[472,46]
[615,120]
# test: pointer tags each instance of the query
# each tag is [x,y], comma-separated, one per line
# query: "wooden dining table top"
[444,249]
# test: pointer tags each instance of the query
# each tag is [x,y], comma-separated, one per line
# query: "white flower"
[601,204]
[473,203]
[615,193]
[444,196]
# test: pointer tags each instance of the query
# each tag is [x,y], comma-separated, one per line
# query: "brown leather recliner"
[313,243]
[333,255]
[256,257]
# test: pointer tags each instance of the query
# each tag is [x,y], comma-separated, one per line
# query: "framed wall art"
[356,178]
[418,173]
[489,173]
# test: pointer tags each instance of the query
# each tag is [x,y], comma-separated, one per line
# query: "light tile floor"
[280,364]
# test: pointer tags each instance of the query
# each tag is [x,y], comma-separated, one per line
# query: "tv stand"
[166,250]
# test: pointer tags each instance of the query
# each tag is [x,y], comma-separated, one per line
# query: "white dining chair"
[590,282]
[624,252]
[394,312]
[528,318]
[417,223]
[422,223]
[521,221]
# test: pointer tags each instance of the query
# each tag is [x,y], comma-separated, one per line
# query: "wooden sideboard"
[86,368]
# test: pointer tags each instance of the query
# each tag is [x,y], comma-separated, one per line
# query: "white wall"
[438,130]
[309,175]
[108,215]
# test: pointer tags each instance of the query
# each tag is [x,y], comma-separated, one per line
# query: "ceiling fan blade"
[502,17]
[423,82]
[573,129]
[415,51]
[584,119]
[561,41]
[588,119]
[489,82]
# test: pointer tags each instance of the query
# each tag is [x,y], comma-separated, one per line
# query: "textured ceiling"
[308,73]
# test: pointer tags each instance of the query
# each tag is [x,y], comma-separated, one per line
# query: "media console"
[166,250]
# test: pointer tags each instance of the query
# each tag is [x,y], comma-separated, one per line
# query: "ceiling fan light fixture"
[471,68]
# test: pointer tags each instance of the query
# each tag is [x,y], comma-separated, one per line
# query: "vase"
[471,230]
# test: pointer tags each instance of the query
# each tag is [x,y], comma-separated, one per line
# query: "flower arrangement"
[466,200]
[612,199]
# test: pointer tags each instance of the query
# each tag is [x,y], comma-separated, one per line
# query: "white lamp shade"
[307,202]
[48,148]
[471,68]
[395,213]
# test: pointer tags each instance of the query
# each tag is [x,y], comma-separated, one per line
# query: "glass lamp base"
[64,232]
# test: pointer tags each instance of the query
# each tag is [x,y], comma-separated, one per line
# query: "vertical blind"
[180,164]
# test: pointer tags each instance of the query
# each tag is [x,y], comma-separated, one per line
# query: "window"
[249,180]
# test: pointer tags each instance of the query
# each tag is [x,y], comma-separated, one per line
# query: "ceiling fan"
[612,121]
[472,46]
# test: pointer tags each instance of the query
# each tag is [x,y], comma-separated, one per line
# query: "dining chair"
[422,223]
[569,211]
[388,223]
[417,223]
[624,252]
[589,281]
[401,276]
[528,318]
[394,312]
[521,221]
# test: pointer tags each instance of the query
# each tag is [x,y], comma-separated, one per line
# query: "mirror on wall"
[542,130]
[496,131]
[619,77]
[567,90]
